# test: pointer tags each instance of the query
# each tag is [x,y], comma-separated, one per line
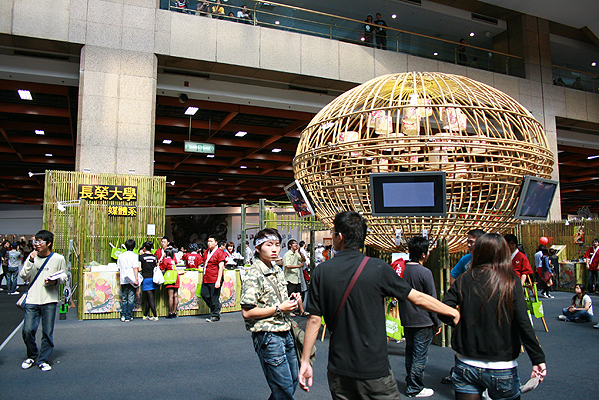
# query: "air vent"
[485,19]
[187,73]
[413,2]
[49,56]
[311,90]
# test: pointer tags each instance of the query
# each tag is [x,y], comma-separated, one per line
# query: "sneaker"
[144,317]
[128,319]
[544,295]
[123,319]
[562,317]
[1,290]
[153,318]
[45,367]
[551,296]
[596,326]
[27,363]
[426,392]
[208,319]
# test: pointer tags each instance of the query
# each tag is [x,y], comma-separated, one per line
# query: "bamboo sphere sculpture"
[420,121]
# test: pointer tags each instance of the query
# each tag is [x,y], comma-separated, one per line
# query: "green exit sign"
[196,147]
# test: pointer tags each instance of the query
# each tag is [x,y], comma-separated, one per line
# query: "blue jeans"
[418,341]
[128,295]
[503,384]
[11,279]
[33,314]
[578,316]
[276,352]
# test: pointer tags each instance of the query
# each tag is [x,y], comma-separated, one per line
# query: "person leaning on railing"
[202,9]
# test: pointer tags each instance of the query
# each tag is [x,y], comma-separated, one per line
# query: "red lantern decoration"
[543,240]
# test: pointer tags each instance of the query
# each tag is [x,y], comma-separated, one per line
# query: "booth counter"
[102,295]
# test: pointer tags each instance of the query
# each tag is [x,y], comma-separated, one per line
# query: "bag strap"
[349,289]
[39,271]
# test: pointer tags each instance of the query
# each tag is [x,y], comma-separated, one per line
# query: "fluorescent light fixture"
[86,170]
[24,94]
[191,111]
[435,54]
[167,141]
[592,157]
[210,156]
[471,34]
[276,150]
[243,167]
[131,172]
[39,132]
[241,134]
[48,154]
[394,16]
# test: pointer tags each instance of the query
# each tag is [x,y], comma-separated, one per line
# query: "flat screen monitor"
[535,198]
[408,194]
[299,200]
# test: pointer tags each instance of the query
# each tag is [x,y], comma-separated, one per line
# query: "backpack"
[399,266]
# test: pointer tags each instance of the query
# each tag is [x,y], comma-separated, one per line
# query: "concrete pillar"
[117,90]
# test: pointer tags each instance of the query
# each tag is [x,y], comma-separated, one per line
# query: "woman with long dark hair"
[493,323]
[148,263]
[265,307]
[172,290]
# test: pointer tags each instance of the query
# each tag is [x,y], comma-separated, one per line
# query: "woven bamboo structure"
[484,140]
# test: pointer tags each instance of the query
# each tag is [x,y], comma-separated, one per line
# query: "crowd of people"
[214,9]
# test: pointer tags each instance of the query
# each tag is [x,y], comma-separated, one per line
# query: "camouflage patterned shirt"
[258,291]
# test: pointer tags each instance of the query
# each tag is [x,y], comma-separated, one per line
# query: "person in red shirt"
[592,258]
[160,252]
[214,266]
[167,263]
[520,262]
[193,259]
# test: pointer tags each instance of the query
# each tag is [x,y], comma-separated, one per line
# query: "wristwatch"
[277,310]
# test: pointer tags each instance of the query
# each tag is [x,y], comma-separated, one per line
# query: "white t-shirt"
[581,304]
[127,261]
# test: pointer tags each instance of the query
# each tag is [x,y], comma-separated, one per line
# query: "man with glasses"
[358,359]
[45,267]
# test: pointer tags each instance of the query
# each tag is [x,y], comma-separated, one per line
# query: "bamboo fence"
[483,139]
[89,225]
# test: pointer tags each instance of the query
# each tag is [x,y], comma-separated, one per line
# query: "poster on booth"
[188,283]
[102,293]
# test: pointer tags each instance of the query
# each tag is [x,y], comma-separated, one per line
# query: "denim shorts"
[503,384]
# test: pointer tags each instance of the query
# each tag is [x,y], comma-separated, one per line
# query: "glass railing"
[574,79]
[315,23]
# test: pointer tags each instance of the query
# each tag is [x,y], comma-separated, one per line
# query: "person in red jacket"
[214,265]
[193,259]
[592,258]
[520,262]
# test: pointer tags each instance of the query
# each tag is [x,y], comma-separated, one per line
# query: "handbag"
[535,307]
[157,276]
[392,324]
[170,277]
[23,299]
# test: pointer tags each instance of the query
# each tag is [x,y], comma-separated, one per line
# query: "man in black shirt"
[358,360]
[380,32]
[419,325]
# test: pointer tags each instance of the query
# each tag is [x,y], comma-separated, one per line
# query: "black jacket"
[479,335]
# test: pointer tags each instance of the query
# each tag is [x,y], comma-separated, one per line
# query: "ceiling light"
[243,167]
[241,134]
[39,132]
[277,22]
[48,154]
[210,155]
[394,16]
[471,34]
[362,38]
[24,94]
[435,54]
[191,111]
[276,150]
[591,157]
[172,183]
[593,64]
[167,141]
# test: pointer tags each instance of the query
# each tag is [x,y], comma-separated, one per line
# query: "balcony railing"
[335,27]
[574,79]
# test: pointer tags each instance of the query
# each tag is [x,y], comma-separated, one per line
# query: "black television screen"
[408,194]
[535,198]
